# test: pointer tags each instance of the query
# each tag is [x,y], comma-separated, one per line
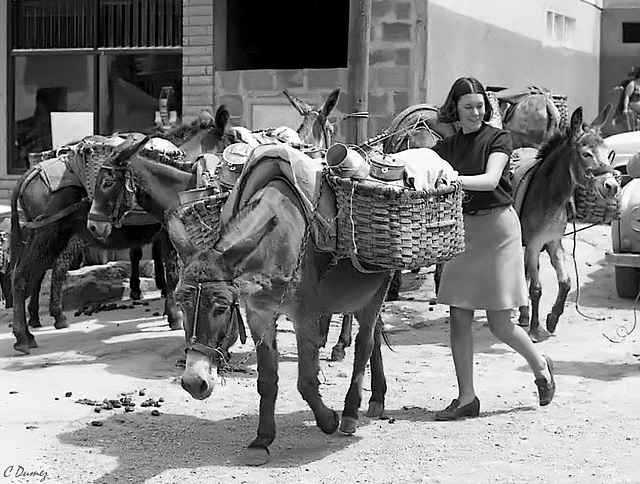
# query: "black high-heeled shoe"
[546,388]
[454,411]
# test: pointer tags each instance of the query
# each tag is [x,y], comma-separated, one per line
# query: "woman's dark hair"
[448,113]
[634,73]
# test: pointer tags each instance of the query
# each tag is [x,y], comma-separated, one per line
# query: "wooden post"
[358,69]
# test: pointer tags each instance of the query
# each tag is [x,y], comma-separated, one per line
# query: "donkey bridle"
[114,217]
[236,317]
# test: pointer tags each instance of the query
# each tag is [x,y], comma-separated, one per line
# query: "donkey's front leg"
[532,264]
[263,332]
[557,256]
[308,368]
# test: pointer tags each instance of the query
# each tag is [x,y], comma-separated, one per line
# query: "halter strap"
[113,216]
[236,318]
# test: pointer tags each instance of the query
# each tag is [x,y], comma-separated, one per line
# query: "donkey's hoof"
[538,335]
[376,410]
[174,325]
[338,353]
[24,348]
[330,424]
[348,425]
[552,322]
[255,456]
[35,323]
[61,322]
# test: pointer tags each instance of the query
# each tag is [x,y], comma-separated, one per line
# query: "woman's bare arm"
[488,180]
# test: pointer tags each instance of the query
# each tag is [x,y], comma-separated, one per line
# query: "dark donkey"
[201,135]
[53,219]
[574,157]
[266,259]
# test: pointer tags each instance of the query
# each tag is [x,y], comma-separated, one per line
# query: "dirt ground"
[589,434]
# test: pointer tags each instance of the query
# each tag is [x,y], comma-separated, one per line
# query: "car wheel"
[627,282]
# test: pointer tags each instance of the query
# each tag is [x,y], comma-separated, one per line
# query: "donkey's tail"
[16,245]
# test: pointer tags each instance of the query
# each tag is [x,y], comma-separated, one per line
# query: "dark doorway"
[288,34]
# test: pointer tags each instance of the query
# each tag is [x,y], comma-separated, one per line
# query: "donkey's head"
[114,191]
[208,293]
[592,165]
[209,133]
[315,129]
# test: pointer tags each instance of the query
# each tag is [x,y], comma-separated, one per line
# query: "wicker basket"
[593,209]
[395,228]
[560,100]
[35,158]
[94,157]
[201,218]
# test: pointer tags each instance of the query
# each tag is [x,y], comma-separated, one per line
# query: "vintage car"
[625,233]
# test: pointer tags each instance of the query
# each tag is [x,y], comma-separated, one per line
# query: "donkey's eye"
[219,309]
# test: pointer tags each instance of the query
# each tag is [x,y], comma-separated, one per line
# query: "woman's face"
[471,112]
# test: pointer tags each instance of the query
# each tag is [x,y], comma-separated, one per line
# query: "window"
[560,29]
[631,32]
[66,24]
[105,59]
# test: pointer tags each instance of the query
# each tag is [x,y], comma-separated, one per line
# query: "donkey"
[266,258]
[576,156]
[200,136]
[162,184]
[52,219]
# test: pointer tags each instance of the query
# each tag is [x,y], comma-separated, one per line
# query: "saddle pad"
[55,173]
[304,173]
[524,163]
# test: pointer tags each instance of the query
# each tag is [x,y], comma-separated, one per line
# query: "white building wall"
[506,43]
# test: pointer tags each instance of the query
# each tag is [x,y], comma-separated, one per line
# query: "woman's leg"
[503,328]
[461,338]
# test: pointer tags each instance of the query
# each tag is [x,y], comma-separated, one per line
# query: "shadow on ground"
[146,446]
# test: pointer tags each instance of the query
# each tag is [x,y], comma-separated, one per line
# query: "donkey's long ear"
[602,118]
[302,107]
[236,246]
[179,236]
[576,121]
[128,148]
[330,103]
[222,117]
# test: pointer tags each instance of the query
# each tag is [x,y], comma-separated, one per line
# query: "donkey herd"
[266,258]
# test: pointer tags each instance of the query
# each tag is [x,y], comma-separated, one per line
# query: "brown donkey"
[266,259]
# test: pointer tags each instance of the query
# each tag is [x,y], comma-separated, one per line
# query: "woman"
[489,275]
[631,99]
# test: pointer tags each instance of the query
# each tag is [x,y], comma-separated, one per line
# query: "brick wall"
[197,57]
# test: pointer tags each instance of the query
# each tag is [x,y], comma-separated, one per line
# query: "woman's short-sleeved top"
[468,154]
